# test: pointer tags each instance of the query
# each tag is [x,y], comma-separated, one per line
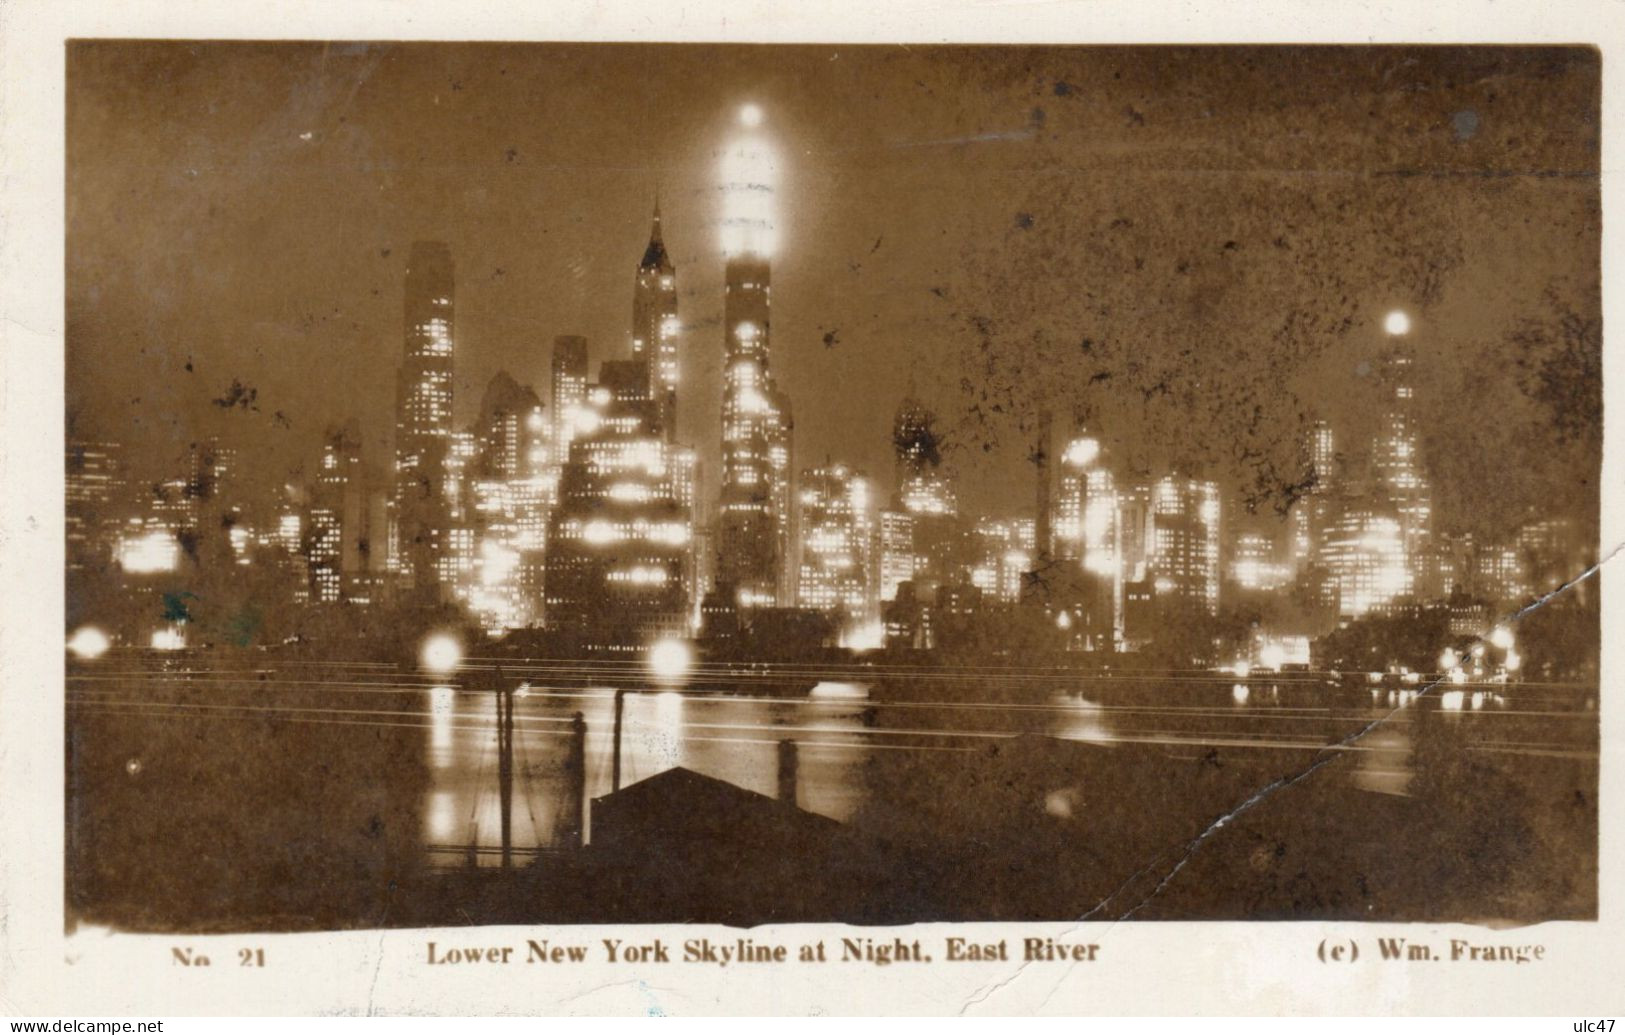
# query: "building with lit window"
[944,550]
[754,539]
[1087,544]
[1396,465]
[94,498]
[569,390]
[1366,562]
[896,550]
[1312,513]
[837,528]
[423,420]
[1552,552]
[1004,557]
[338,545]
[655,328]
[1255,564]
[620,539]
[507,492]
[1183,555]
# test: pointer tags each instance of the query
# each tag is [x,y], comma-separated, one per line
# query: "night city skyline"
[891,467]
[871,219]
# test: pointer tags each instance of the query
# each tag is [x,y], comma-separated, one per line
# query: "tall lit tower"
[423,411]
[655,327]
[1396,460]
[754,522]
[569,390]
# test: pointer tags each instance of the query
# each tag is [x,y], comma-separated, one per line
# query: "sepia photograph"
[735,484]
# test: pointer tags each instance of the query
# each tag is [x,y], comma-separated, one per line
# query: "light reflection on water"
[1078,718]
[1385,758]
[442,715]
[735,738]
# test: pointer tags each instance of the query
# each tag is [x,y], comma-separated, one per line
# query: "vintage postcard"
[936,526]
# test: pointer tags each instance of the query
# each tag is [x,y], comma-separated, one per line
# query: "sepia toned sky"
[1190,250]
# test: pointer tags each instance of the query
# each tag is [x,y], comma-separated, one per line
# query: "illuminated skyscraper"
[620,539]
[896,551]
[508,495]
[1253,564]
[944,547]
[1005,557]
[423,425]
[838,573]
[754,544]
[1312,514]
[1184,554]
[93,495]
[655,328]
[1365,560]
[1395,458]
[569,389]
[338,544]
[1086,535]
[923,486]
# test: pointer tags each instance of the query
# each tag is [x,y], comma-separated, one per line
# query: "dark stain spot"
[383,253]
[1024,221]
[830,339]
[1134,116]
[238,395]
[511,154]
[175,609]
[1063,89]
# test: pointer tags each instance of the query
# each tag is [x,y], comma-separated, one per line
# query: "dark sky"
[1191,248]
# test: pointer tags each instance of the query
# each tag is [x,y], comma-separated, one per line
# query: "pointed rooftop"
[654,256]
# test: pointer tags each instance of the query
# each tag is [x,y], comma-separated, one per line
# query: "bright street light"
[441,654]
[1397,323]
[88,643]
[670,659]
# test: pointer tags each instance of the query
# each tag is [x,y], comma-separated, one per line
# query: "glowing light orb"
[441,654]
[670,659]
[747,176]
[1063,620]
[88,643]
[1081,452]
[1501,637]
[1397,322]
